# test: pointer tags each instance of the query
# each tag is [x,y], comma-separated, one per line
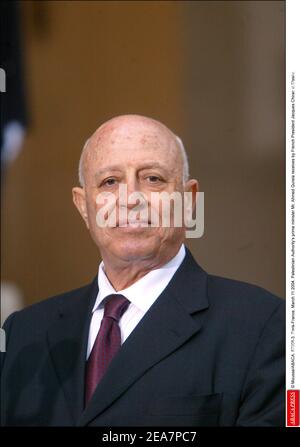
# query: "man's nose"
[135,197]
[133,189]
[132,184]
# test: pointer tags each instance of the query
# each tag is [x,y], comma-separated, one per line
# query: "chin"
[135,249]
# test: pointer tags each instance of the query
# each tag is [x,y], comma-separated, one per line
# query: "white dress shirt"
[141,295]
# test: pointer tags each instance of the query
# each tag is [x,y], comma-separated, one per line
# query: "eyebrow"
[149,165]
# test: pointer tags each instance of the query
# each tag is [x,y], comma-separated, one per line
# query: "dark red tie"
[107,343]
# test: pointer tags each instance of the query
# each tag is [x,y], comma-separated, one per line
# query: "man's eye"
[109,182]
[153,179]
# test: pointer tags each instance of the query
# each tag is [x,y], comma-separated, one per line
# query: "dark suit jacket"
[209,352]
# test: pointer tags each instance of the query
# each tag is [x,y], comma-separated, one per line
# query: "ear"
[193,187]
[79,200]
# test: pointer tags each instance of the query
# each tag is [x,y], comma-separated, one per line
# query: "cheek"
[91,203]
[94,205]
[92,209]
[167,217]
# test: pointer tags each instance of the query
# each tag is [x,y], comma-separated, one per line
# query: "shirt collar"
[146,290]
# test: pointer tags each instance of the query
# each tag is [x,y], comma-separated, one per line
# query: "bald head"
[123,127]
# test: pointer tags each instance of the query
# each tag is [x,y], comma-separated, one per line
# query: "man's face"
[145,158]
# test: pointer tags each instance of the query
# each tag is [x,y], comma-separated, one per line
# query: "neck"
[124,273]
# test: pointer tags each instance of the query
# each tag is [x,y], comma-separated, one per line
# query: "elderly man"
[154,339]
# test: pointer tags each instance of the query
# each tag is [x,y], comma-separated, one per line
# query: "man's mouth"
[134,224]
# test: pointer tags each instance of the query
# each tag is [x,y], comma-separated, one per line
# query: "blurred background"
[212,71]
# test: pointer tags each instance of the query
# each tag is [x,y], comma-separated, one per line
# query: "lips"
[135,223]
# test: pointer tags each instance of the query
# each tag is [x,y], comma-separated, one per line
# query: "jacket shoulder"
[248,300]
[44,310]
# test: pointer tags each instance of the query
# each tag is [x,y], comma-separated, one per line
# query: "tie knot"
[115,306]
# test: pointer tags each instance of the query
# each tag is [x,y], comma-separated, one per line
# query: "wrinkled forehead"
[119,140]
[143,134]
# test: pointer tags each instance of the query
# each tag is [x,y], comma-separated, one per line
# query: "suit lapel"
[67,342]
[166,326]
